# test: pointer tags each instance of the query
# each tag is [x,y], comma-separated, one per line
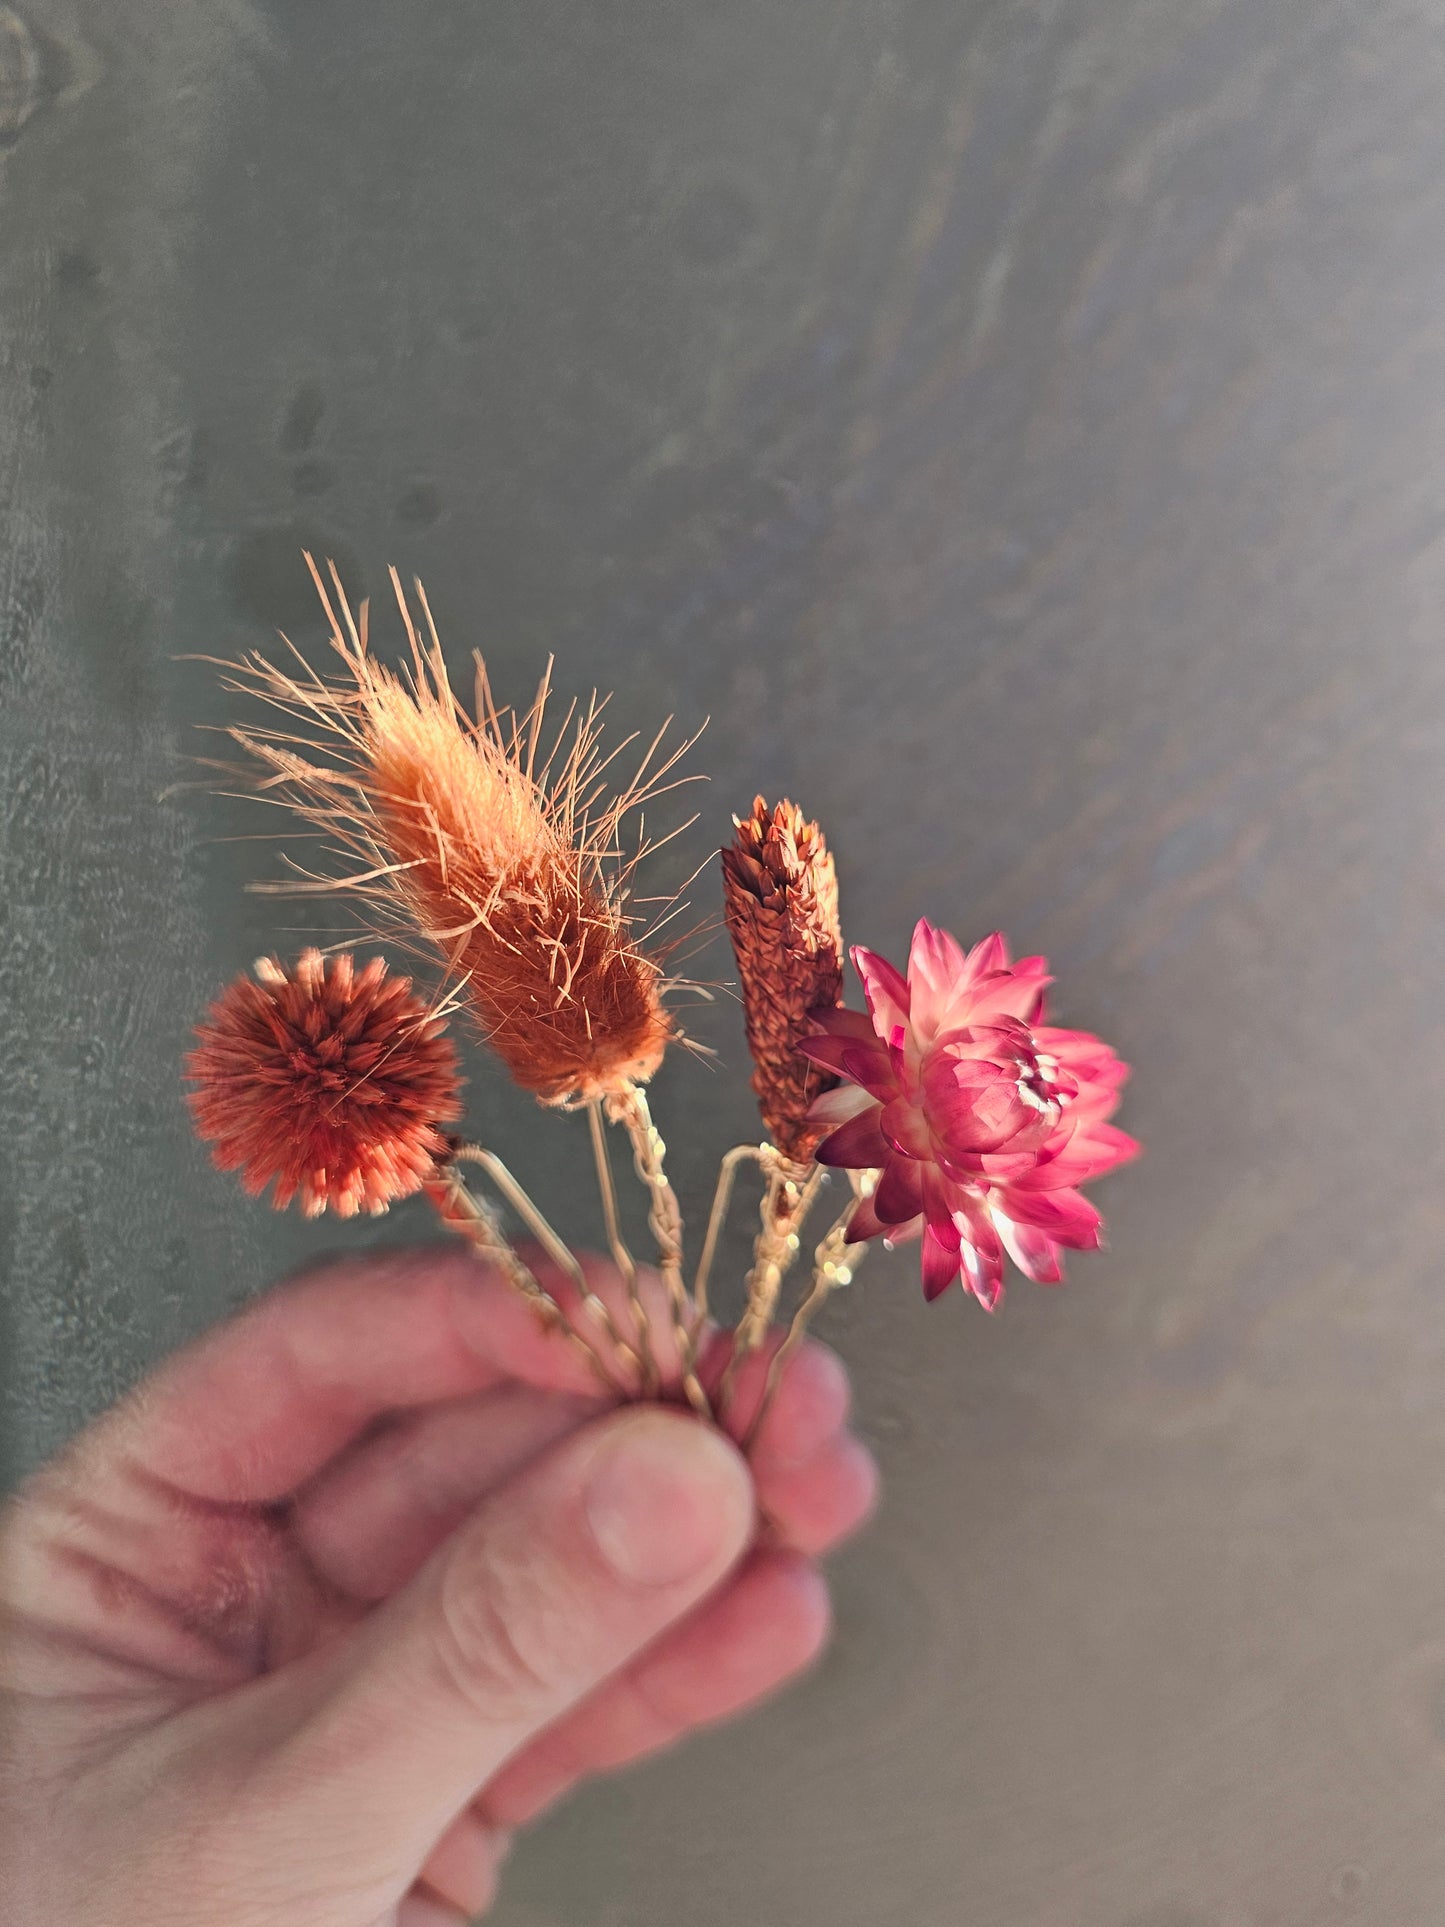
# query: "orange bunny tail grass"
[781,899]
[503,853]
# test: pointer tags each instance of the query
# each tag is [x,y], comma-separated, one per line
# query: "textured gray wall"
[1019,424]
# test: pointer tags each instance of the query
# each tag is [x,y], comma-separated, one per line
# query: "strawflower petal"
[858,1145]
[898,1195]
[835,1107]
[940,1264]
[1032,1250]
[887,992]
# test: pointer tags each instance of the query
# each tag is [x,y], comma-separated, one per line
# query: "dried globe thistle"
[781,900]
[329,1081]
[503,853]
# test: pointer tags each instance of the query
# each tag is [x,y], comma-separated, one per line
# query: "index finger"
[255,1407]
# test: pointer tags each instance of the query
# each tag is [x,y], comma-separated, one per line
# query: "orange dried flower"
[781,902]
[330,1082]
[504,856]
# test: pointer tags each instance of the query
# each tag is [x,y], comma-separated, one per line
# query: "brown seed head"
[330,1081]
[503,856]
[781,903]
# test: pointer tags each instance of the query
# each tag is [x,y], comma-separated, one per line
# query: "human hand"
[366,1579]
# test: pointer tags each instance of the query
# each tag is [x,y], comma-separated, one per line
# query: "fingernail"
[668,1498]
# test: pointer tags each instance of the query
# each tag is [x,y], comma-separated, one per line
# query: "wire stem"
[621,1256]
[722,1198]
[470,1217]
[628,1107]
[553,1246]
[789,1197]
[833,1265]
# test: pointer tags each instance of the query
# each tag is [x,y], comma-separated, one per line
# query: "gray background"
[1021,427]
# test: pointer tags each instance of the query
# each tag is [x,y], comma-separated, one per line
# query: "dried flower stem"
[791,1190]
[556,1250]
[461,1211]
[722,1197]
[621,1256]
[628,1107]
[833,1265]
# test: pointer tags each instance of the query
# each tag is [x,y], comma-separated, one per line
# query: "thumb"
[552,1586]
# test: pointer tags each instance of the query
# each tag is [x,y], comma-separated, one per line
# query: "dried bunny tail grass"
[502,851]
[781,903]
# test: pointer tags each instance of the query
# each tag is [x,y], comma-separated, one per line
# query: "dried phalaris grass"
[781,902]
[503,853]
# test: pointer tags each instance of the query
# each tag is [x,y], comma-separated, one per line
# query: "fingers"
[255,1407]
[369,1522]
[811,1404]
[618,1318]
[813,1507]
[816,1485]
[463,1866]
[422,1909]
[816,1482]
[737,1648]
[813,1393]
[557,1583]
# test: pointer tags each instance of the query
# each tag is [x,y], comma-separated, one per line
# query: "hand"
[366,1579]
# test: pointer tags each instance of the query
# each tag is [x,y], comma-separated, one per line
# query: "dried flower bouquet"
[492,843]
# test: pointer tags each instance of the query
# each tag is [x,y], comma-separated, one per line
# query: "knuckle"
[492,1642]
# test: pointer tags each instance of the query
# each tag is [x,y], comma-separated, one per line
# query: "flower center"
[1038,1081]
[1033,1088]
[319,1068]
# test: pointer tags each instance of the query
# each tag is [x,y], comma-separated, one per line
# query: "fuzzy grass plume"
[501,848]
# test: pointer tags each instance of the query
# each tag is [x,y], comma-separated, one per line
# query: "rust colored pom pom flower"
[781,899]
[503,856]
[329,1081]
[981,1121]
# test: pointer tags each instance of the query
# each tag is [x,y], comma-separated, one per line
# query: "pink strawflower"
[981,1121]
